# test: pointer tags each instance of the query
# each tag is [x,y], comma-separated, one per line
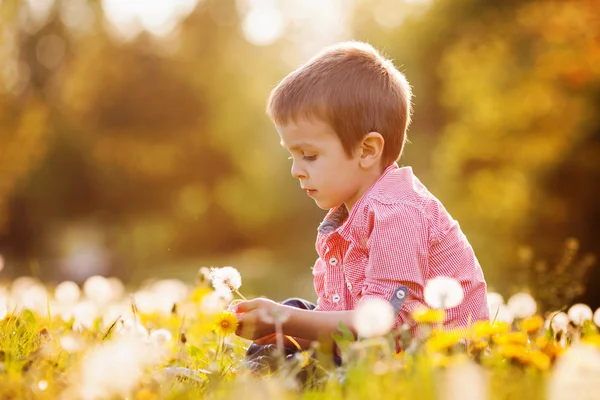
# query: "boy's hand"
[251,316]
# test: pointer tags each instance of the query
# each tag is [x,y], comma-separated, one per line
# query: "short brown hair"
[352,87]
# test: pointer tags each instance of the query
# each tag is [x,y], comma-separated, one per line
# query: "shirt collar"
[340,220]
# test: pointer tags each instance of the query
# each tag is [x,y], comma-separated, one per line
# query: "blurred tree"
[159,143]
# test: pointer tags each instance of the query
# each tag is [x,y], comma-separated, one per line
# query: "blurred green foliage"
[155,151]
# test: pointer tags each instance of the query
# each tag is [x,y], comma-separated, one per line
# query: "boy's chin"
[325,206]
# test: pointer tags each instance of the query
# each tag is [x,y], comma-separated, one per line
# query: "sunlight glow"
[159,17]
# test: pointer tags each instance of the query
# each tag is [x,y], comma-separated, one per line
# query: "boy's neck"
[368,180]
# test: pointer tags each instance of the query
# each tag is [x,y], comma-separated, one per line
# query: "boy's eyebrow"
[297,146]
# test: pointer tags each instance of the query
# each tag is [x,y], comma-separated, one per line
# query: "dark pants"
[264,357]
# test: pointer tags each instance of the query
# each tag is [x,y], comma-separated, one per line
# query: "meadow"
[174,340]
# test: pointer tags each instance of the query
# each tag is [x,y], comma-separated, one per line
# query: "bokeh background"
[134,143]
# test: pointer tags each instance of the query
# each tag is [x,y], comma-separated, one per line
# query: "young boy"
[343,117]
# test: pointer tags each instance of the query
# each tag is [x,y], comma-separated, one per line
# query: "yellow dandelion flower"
[423,315]
[479,345]
[515,352]
[518,338]
[539,360]
[225,323]
[443,340]
[594,340]
[482,329]
[532,324]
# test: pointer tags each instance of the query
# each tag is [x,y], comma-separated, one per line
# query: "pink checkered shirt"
[396,234]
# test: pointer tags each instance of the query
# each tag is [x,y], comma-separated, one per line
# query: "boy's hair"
[352,87]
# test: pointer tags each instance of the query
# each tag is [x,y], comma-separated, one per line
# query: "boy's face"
[320,163]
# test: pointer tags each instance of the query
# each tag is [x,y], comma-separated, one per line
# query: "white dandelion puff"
[115,368]
[67,292]
[160,336]
[215,302]
[373,317]
[597,317]
[579,313]
[576,374]
[522,305]
[443,293]
[558,321]
[226,278]
[502,314]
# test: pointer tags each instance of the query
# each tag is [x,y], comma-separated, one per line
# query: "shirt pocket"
[354,274]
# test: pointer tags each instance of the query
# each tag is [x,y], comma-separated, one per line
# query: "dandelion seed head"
[98,289]
[160,336]
[114,368]
[373,317]
[558,322]
[579,313]
[443,292]
[494,300]
[597,317]
[215,302]
[131,327]
[502,314]
[522,305]
[226,278]
[576,374]
[67,292]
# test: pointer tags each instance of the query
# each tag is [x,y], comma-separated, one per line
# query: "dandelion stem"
[237,292]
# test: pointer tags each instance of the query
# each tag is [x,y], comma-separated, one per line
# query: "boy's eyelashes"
[305,157]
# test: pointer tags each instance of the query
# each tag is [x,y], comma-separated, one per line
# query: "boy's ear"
[371,149]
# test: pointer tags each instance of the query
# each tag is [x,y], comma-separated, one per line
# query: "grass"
[102,347]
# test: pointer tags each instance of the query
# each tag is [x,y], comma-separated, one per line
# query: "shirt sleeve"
[397,247]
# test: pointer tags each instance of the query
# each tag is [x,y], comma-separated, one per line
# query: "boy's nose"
[297,172]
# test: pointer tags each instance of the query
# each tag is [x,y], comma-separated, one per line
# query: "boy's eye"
[310,158]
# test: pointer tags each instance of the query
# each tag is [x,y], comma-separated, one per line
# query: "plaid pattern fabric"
[397,234]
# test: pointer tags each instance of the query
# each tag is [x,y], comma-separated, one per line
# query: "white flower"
[502,314]
[131,327]
[373,317]
[215,302]
[160,336]
[579,313]
[464,379]
[597,317]
[98,289]
[494,300]
[576,374]
[226,278]
[114,368]
[559,322]
[522,305]
[67,292]
[443,293]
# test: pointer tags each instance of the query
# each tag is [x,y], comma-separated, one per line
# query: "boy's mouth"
[310,192]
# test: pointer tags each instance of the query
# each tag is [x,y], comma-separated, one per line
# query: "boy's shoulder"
[400,198]
[399,186]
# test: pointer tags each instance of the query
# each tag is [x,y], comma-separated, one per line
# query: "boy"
[343,117]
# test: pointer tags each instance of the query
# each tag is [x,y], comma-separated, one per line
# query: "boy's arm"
[306,324]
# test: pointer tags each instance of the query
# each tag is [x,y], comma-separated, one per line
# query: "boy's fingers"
[243,306]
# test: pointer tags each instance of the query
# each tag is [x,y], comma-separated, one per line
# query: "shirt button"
[333,261]
[349,285]
[335,298]
[400,294]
